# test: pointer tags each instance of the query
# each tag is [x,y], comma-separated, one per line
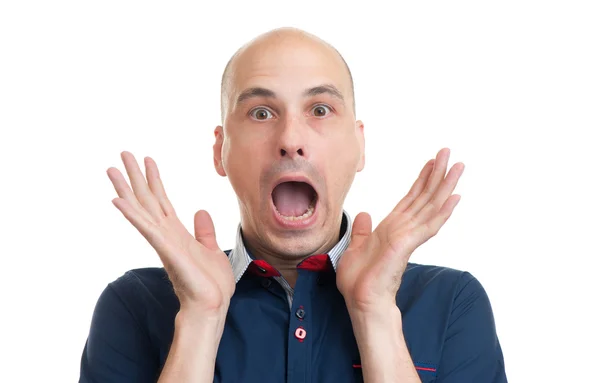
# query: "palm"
[199,270]
[371,268]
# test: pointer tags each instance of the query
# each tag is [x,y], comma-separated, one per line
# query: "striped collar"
[240,258]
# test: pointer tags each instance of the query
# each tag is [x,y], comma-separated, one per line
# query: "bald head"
[287,104]
[277,38]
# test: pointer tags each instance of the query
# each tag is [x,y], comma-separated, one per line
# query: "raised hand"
[200,272]
[370,271]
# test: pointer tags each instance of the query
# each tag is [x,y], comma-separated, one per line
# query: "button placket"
[300,332]
[300,338]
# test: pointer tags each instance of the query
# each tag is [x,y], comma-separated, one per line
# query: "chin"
[293,214]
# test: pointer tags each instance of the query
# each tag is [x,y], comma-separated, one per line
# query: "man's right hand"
[200,272]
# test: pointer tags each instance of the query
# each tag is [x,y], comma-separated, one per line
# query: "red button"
[300,334]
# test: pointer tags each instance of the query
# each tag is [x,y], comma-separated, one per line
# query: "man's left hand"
[370,271]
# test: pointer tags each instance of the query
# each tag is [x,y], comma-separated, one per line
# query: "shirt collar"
[240,258]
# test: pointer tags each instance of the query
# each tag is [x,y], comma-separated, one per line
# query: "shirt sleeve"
[117,349]
[471,351]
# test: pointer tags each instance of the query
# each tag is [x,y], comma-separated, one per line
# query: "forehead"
[289,67]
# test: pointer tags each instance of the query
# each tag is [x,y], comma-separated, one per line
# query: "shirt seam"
[136,320]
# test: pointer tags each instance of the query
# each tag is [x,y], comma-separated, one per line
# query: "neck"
[285,259]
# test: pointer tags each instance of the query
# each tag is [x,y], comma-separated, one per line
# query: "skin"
[290,133]
[296,137]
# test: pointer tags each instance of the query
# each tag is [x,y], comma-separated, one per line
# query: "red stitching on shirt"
[416,367]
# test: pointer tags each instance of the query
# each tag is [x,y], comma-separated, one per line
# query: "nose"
[291,153]
[292,140]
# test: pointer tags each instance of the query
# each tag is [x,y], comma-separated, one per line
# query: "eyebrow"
[267,93]
[324,89]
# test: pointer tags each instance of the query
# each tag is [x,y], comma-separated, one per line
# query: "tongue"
[292,199]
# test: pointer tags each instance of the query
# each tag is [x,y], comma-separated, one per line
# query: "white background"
[512,87]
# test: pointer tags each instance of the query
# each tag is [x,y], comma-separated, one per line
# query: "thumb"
[361,229]
[204,230]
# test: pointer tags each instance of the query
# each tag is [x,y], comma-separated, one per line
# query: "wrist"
[382,346]
[377,325]
[380,315]
[198,319]
[193,352]
[194,315]
[379,308]
[193,326]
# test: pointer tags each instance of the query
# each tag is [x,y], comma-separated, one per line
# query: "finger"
[361,229]
[425,231]
[434,225]
[157,187]
[416,188]
[435,178]
[140,186]
[204,230]
[442,194]
[147,228]
[124,191]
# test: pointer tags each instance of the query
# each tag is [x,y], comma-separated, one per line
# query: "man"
[305,295]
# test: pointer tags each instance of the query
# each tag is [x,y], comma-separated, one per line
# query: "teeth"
[309,212]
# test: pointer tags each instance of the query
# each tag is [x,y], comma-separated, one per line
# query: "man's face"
[290,144]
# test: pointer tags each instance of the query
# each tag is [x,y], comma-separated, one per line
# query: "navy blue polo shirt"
[274,333]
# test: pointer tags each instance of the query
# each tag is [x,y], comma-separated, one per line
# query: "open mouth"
[294,201]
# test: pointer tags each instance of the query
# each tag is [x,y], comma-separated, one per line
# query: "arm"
[117,348]
[471,352]
[383,352]
[194,349]
[198,270]
[370,271]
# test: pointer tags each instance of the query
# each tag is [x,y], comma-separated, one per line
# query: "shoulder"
[146,290]
[150,278]
[448,321]
[437,287]
[419,276]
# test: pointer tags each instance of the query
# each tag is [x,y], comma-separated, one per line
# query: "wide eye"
[261,114]
[321,110]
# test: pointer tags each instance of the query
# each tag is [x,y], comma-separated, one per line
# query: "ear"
[360,135]
[218,150]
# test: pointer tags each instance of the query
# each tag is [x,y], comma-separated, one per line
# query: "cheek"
[344,154]
[345,172]
[342,167]
[243,174]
